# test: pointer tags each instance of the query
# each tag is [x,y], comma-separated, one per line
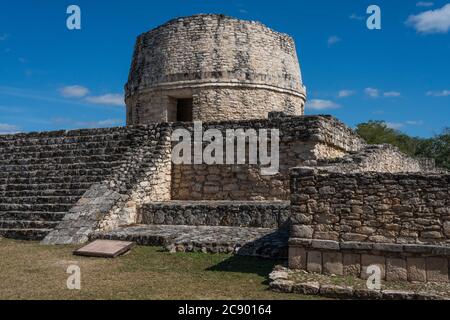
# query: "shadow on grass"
[244,264]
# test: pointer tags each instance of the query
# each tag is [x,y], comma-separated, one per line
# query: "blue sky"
[53,78]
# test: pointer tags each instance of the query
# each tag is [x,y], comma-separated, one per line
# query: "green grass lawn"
[29,270]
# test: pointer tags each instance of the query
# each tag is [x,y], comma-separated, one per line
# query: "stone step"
[27,174]
[24,224]
[59,167]
[45,186]
[256,214]
[111,152]
[39,200]
[59,138]
[60,207]
[43,193]
[96,145]
[25,234]
[262,242]
[32,215]
[62,160]
[46,180]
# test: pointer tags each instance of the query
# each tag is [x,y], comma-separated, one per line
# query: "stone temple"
[336,206]
[213,68]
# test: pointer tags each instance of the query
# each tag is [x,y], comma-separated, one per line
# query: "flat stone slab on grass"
[104,249]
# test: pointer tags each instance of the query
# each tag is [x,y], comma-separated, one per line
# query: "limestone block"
[314,261]
[332,263]
[416,269]
[297,258]
[396,269]
[307,288]
[301,231]
[447,229]
[352,264]
[437,269]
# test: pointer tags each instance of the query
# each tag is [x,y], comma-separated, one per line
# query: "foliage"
[437,148]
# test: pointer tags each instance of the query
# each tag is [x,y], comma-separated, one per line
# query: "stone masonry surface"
[344,222]
[43,175]
[402,208]
[263,242]
[338,287]
[257,214]
[232,69]
[102,176]
[304,139]
[144,176]
[122,193]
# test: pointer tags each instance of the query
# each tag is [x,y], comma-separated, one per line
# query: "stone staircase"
[253,228]
[42,175]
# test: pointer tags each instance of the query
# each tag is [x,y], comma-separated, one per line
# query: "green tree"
[437,148]
[378,132]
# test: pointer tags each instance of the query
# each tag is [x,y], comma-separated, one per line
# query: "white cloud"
[346,93]
[394,125]
[111,99]
[372,92]
[318,104]
[74,91]
[432,21]
[443,93]
[392,94]
[424,4]
[376,93]
[8,128]
[333,40]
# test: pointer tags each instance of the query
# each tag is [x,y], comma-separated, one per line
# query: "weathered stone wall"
[143,177]
[233,69]
[378,158]
[302,140]
[255,214]
[373,207]
[228,103]
[343,222]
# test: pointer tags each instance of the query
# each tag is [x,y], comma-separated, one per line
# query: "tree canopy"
[437,147]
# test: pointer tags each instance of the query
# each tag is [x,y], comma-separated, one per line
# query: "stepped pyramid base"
[261,242]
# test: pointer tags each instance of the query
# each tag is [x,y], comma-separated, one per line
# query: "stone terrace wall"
[343,222]
[303,140]
[256,214]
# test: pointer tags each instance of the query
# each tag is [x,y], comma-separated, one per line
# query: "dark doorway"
[184,110]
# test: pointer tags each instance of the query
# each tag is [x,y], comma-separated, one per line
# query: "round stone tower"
[213,68]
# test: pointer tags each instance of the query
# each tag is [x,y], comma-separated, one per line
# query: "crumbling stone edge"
[279,282]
